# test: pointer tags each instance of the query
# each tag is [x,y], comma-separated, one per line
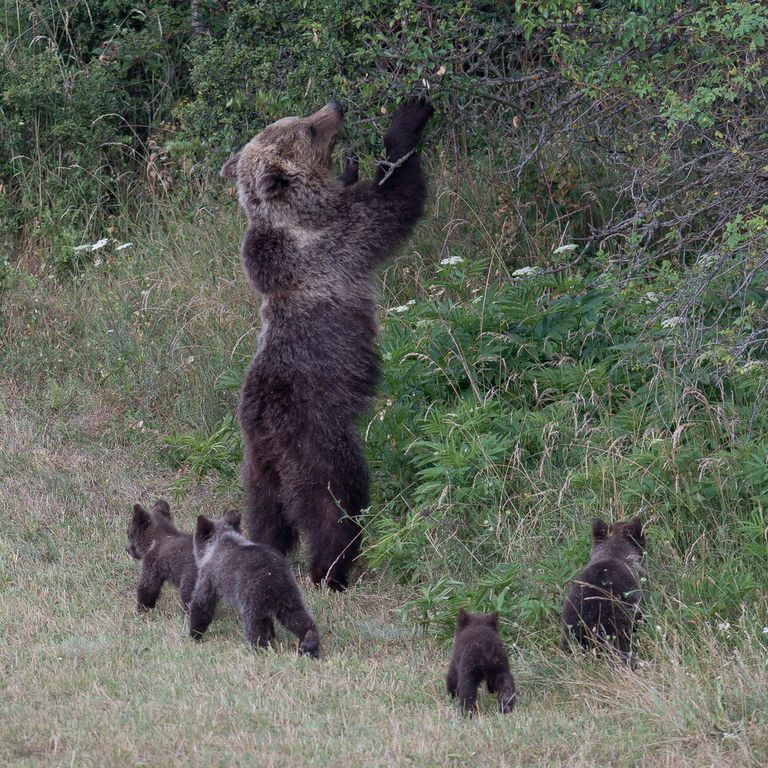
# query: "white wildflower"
[526,272]
[122,246]
[765,630]
[452,260]
[565,248]
[651,297]
[98,262]
[92,246]
[724,626]
[401,308]
[751,365]
[672,322]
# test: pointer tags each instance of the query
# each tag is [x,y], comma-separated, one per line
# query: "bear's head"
[629,532]
[209,532]
[624,541]
[466,619]
[144,526]
[287,163]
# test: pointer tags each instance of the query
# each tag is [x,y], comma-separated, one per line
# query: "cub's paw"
[310,645]
[351,171]
[408,124]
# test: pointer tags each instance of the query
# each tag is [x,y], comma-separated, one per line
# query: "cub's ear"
[493,619]
[233,518]
[140,516]
[599,529]
[462,619]
[633,531]
[229,169]
[275,182]
[162,507]
[205,527]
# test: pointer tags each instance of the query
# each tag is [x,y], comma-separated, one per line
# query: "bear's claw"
[407,125]
[351,171]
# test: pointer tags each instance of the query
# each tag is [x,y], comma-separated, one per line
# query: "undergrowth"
[515,407]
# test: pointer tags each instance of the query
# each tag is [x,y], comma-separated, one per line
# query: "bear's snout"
[336,105]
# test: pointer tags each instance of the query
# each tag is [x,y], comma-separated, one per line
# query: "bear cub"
[479,655]
[602,605]
[254,578]
[165,553]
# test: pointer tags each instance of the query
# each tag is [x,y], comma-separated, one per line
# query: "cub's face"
[139,533]
[143,527]
[286,158]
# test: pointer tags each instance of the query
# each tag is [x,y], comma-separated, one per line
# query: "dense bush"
[84,88]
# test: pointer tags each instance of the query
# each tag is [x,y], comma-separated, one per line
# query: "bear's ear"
[141,517]
[275,182]
[599,529]
[205,527]
[233,518]
[462,619]
[493,619]
[162,507]
[633,531]
[229,169]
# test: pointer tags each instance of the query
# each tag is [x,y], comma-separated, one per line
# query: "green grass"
[489,458]
[88,682]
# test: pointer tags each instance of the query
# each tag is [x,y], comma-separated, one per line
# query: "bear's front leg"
[201,608]
[407,127]
[187,587]
[150,585]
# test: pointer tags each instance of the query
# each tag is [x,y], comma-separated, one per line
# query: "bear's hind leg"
[340,493]
[297,620]
[264,508]
[467,693]
[335,546]
[259,629]
[506,695]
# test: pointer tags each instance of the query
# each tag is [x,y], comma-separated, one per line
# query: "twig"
[393,166]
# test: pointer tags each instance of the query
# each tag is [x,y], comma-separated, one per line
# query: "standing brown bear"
[311,250]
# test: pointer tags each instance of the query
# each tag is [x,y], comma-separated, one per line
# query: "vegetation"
[578,329]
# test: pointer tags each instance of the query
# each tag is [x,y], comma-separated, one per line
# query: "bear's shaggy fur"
[252,577]
[479,655]
[311,249]
[601,608]
[165,554]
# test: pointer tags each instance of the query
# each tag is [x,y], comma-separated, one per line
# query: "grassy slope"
[95,374]
[87,682]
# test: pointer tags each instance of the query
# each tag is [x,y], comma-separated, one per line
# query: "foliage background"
[580,328]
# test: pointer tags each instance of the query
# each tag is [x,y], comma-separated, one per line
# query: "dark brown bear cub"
[602,605]
[165,554]
[255,579]
[479,655]
[311,251]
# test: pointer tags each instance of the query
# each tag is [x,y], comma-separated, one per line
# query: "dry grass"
[87,682]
